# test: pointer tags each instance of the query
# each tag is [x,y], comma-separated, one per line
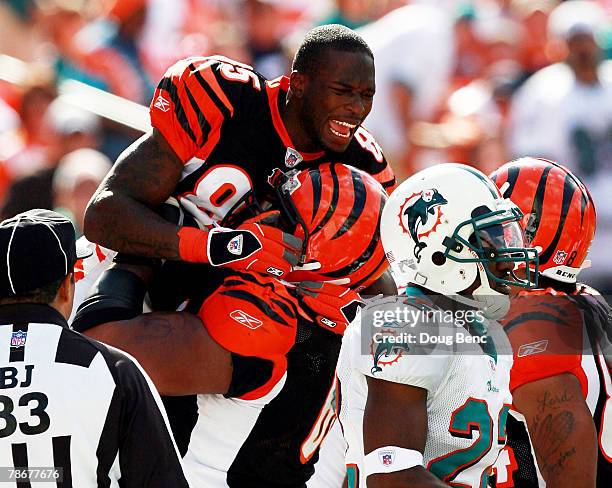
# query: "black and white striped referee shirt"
[67,401]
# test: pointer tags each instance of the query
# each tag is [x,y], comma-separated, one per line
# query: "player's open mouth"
[342,129]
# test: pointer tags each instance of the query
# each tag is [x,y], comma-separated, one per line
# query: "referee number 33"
[36,402]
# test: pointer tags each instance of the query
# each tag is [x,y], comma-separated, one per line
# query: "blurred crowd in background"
[473,81]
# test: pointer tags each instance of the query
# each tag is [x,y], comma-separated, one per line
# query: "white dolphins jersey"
[467,385]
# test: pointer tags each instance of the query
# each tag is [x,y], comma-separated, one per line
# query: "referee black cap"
[37,247]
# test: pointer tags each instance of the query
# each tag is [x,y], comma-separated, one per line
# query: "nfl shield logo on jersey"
[235,245]
[18,339]
[387,457]
[292,157]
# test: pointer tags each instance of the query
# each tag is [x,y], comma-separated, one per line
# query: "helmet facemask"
[495,237]
[284,185]
[247,207]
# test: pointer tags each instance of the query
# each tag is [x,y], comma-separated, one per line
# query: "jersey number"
[473,416]
[367,141]
[504,468]
[38,410]
[241,73]
[220,189]
[321,427]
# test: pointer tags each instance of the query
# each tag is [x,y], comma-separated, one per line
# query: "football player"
[220,130]
[261,354]
[560,430]
[424,377]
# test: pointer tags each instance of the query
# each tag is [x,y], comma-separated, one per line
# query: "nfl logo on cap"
[18,339]
[560,257]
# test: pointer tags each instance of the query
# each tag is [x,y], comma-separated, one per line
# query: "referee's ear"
[65,296]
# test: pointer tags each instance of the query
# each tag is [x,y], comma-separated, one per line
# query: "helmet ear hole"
[438,258]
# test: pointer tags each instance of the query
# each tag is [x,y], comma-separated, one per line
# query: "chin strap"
[494,305]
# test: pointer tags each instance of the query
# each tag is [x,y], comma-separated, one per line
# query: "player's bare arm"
[120,215]
[384,424]
[202,366]
[561,429]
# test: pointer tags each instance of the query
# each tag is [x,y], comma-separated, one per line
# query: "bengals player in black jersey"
[219,131]
[260,353]
[559,429]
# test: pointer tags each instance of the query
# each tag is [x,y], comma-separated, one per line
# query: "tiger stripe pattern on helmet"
[559,213]
[339,209]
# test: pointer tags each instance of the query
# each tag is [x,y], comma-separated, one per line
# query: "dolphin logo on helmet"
[417,214]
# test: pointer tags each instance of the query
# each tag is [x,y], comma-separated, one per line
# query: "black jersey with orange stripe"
[555,333]
[222,119]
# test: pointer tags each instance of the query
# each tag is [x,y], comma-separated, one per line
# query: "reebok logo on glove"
[331,306]
[327,322]
[275,271]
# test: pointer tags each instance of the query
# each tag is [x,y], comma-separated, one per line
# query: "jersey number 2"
[472,416]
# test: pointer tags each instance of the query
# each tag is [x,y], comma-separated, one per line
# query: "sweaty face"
[338,98]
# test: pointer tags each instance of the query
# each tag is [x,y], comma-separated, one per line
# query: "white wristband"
[389,459]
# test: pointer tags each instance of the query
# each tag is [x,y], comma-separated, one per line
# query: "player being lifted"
[560,381]
[415,412]
[261,354]
[219,131]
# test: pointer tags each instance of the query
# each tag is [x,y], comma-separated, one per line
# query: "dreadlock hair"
[326,37]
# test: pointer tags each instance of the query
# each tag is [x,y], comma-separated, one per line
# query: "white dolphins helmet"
[443,226]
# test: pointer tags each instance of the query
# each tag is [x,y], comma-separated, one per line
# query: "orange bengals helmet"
[558,213]
[336,209]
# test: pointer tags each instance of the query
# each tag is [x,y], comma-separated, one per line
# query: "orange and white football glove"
[330,306]
[253,246]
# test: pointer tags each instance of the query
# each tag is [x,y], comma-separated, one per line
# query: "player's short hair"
[43,295]
[323,38]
